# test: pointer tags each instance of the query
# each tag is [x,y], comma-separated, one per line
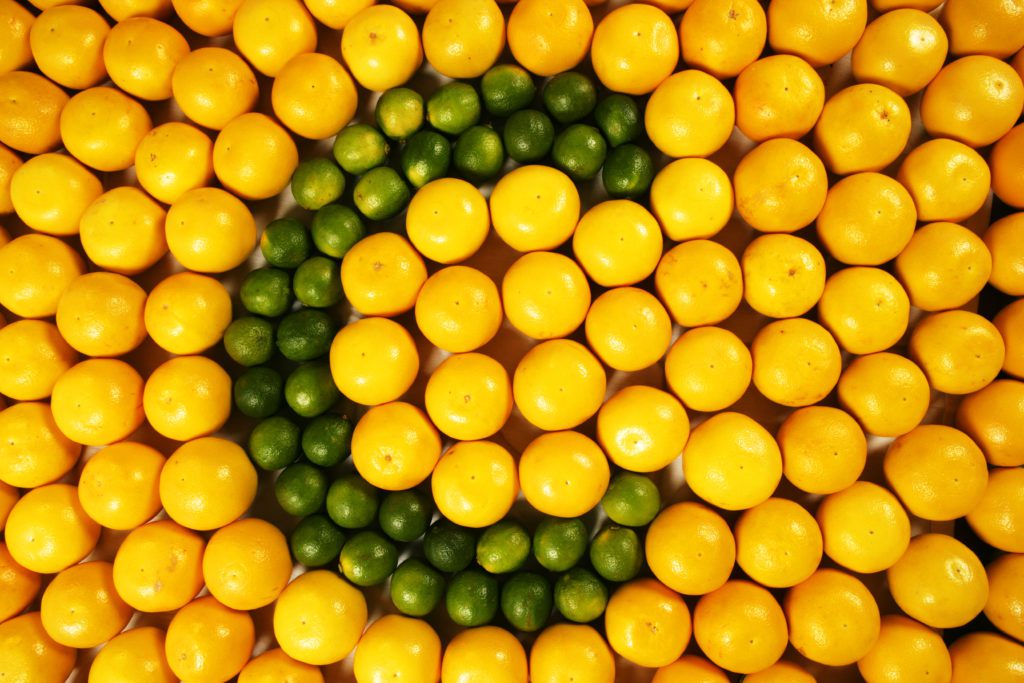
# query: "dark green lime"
[425,157]
[368,558]
[416,588]
[558,544]
[472,598]
[306,334]
[266,291]
[360,147]
[335,229]
[628,171]
[580,595]
[317,183]
[352,502]
[327,439]
[579,151]
[506,89]
[618,117]
[300,489]
[569,96]
[526,601]
[479,154]
[285,243]
[274,443]
[249,341]
[381,194]
[317,282]
[405,515]
[631,499]
[399,113]
[503,547]
[453,108]
[449,547]
[316,541]
[616,553]
[258,391]
[310,389]
[528,135]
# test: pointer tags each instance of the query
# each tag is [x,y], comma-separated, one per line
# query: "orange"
[19,585]
[723,41]
[213,86]
[254,157]
[314,96]
[647,624]
[833,618]
[975,100]
[558,384]
[699,566]
[9,164]
[100,314]
[27,653]
[34,451]
[187,397]
[700,283]
[617,243]
[783,275]
[98,402]
[780,186]
[487,653]
[819,31]
[123,231]
[102,127]
[207,483]
[987,656]
[381,47]
[1007,167]
[374,361]
[535,208]
[336,13]
[16,52]
[548,39]
[463,38]
[207,641]
[67,45]
[563,474]
[458,309]
[32,356]
[1010,323]
[796,362]
[1005,605]
[51,192]
[545,295]
[778,543]
[269,49]
[708,368]
[690,113]
[642,429]
[187,313]
[475,483]
[1004,242]
[635,48]
[564,653]
[80,608]
[984,27]
[959,351]
[30,114]
[692,199]
[740,627]
[47,530]
[868,219]
[690,669]
[889,5]
[210,230]
[448,220]
[158,567]
[207,17]
[246,564]
[398,648]
[395,446]
[140,55]
[120,486]
[823,449]
[172,159]
[34,272]
[865,309]
[992,417]
[382,275]
[469,396]
[887,393]
[996,519]
[781,672]
[318,618]
[862,128]
[779,96]
[274,666]
[122,10]
[628,329]
[947,180]
[902,50]
[864,527]
[944,266]
[906,651]
[135,656]
[9,495]
[939,582]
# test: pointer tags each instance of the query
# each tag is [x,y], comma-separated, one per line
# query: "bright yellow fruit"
[34,272]
[187,313]
[395,647]
[374,361]
[563,653]
[558,384]
[992,417]
[692,199]
[475,483]
[887,393]
[635,48]
[207,641]
[469,396]
[906,651]
[448,220]
[187,397]
[708,368]
[140,55]
[81,608]
[269,33]
[783,275]
[67,45]
[780,96]
[740,627]
[628,329]
[395,446]
[135,656]
[975,100]
[123,231]
[820,31]
[545,295]
[120,486]
[535,208]
[824,450]
[1005,605]
[51,192]
[210,230]
[47,530]
[102,128]
[32,356]
[997,518]
[487,653]
[172,159]
[902,50]
[274,666]
[254,157]
[381,47]
[100,314]
[723,41]
[778,543]
[563,474]
[547,38]
[690,114]
[617,243]
[28,653]
[865,309]
[647,624]
[30,114]
[959,351]
[207,483]
[34,451]
[463,38]
[458,309]
[213,86]
[642,429]
[209,18]
[796,362]
[158,567]
[246,564]
[987,656]
[867,219]
[700,566]
[98,402]
[314,96]
[939,581]
[15,50]
[833,618]
[865,528]
[780,186]
[319,617]
[947,180]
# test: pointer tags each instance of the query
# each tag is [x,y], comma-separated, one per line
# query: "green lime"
[425,157]
[506,89]
[579,151]
[529,135]
[368,558]
[249,340]
[472,598]
[558,544]
[616,553]
[335,229]
[453,108]
[628,171]
[569,96]
[360,147]
[381,193]
[580,595]
[317,183]
[479,154]
[306,334]
[274,443]
[300,489]
[631,499]
[399,113]
[503,547]
[618,117]
[526,601]
[285,243]
[317,282]
[258,392]
[416,588]
[310,389]
[266,291]
[352,502]
[449,547]
[327,439]
[405,515]
[316,541]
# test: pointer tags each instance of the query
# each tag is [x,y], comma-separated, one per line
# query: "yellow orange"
[635,48]
[207,483]
[548,39]
[100,314]
[694,568]
[395,446]
[690,113]
[642,429]
[123,231]
[32,356]
[47,530]
[780,186]
[563,474]
[269,49]
[382,275]
[98,401]
[314,96]
[51,192]
[187,397]
[120,486]
[35,451]
[158,566]
[102,128]
[140,54]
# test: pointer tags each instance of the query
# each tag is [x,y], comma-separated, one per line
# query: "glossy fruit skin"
[985,27]
[631,61]
[850,142]
[679,128]
[865,528]
[563,474]
[833,618]
[692,199]
[100,314]
[939,581]
[32,120]
[547,45]
[968,357]
[485,653]
[708,368]
[778,543]
[33,356]
[17,52]
[213,86]
[209,18]
[564,651]
[985,654]
[395,60]
[633,230]
[867,220]
[740,627]
[906,649]
[796,362]
[388,361]
[98,401]
[102,128]
[975,100]
[990,418]
[558,384]
[67,45]
[943,266]
[869,389]
[767,196]
[47,530]
[865,309]
[294,33]
[783,275]
[690,668]
[207,483]
[140,55]
[123,231]
[144,562]
[246,564]
[20,585]
[187,397]
[51,192]
[997,518]
[700,567]
[679,276]
[208,641]
[1003,607]
[475,483]
[463,38]
[389,288]
[27,651]
[187,313]
[469,396]
[819,32]
[448,220]
[254,157]
[395,446]
[81,608]
[336,617]
[628,618]
[903,50]
[545,295]
[126,656]
[398,647]
[172,159]
[722,42]
[210,230]
[947,180]
[628,329]
[458,309]
[642,429]
[119,486]
[535,208]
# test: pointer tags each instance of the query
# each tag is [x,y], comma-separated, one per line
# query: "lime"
[258,391]
[479,154]
[449,547]
[274,443]
[249,340]
[628,171]
[405,515]
[317,183]
[529,135]
[285,243]
[472,598]
[453,108]
[360,147]
[506,89]
[317,282]
[425,157]
[310,389]
[327,439]
[335,229]
[399,113]
[368,558]
[631,500]
[526,601]
[416,588]
[300,489]
[579,151]
[266,291]
[381,193]
[306,334]
[316,542]
[503,547]
[351,502]
[580,595]
[569,96]
[618,117]
[558,544]
[616,553]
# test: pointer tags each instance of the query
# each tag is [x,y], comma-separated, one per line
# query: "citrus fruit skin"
[318,618]
[740,627]
[833,618]
[900,636]
[565,651]
[32,117]
[647,623]
[682,130]
[545,44]
[985,654]
[208,641]
[398,647]
[903,50]
[635,48]
[381,46]
[485,653]
[27,650]
[463,38]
